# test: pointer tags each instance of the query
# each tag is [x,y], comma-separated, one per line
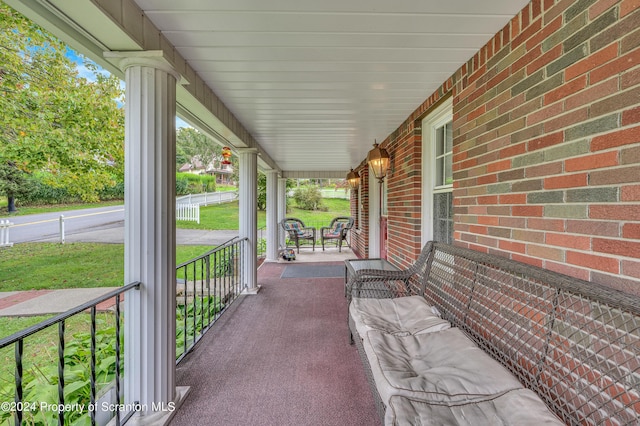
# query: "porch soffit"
[310,84]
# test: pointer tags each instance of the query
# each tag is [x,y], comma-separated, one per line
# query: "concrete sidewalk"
[49,302]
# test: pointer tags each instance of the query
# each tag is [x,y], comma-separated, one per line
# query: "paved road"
[46,226]
[102,224]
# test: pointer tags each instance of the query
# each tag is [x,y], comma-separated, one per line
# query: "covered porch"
[511,128]
[281,358]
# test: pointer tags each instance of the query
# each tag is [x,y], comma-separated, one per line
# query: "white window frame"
[438,118]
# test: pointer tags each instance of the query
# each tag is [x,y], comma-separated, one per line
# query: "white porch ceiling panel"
[315,82]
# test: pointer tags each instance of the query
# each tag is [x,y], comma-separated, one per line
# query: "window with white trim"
[437,185]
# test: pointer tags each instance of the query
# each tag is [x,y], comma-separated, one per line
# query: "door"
[383,220]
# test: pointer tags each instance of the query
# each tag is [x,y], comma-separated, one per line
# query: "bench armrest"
[379,283]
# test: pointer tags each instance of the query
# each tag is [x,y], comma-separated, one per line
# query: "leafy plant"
[309,198]
[189,183]
[198,312]
[40,380]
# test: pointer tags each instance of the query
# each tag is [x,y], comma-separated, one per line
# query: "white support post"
[4,233]
[272,216]
[61,229]
[282,209]
[150,234]
[248,176]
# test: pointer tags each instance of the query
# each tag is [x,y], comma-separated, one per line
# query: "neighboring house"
[195,166]
[223,173]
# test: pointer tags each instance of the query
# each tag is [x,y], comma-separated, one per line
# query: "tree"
[191,144]
[53,120]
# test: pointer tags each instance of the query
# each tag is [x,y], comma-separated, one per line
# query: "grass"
[35,266]
[225,216]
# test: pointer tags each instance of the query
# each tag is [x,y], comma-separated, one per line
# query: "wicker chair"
[297,231]
[337,230]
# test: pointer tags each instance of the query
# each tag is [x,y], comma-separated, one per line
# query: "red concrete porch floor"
[281,357]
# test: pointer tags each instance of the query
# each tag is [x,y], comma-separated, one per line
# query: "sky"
[90,75]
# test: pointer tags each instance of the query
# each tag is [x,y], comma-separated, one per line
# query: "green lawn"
[225,216]
[34,266]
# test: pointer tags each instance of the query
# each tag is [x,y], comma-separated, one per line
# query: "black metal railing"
[49,411]
[207,285]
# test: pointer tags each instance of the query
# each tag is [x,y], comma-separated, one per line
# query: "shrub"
[189,183]
[115,192]
[309,198]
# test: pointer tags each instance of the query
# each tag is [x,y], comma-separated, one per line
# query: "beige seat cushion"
[401,316]
[443,366]
[520,407]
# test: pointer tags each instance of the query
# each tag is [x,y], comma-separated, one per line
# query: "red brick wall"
[546,145]
[404,202]
[547,141]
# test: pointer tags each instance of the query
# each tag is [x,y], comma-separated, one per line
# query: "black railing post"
[61,372]
[202,262]
[19,347]
[195,307]
[117,358]
[208,266]
[92,412]
[216,290]
[186,331]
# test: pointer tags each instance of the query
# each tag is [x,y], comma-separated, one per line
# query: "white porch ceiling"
[316,82]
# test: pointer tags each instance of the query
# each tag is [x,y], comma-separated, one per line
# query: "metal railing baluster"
[118,399]
[92,413]
[195,307]
[216,290]
[19,348]
[61,372]
[186,315]
[201,298]
[208,266]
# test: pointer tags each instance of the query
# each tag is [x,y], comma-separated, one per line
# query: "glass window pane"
[440,135]
[448,170]
[449,136]
[443,217]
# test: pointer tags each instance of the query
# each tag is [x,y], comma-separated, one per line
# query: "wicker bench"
[571,344]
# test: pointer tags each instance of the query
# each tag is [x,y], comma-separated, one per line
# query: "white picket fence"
[189,212]
[208,198]
[4,233]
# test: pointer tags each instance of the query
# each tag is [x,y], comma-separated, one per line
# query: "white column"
[248,196]
[282,209]
[150,234]
[272,216]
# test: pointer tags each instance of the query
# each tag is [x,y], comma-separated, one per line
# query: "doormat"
[313,271]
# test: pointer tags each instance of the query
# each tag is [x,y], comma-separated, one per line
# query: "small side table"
[351,266]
